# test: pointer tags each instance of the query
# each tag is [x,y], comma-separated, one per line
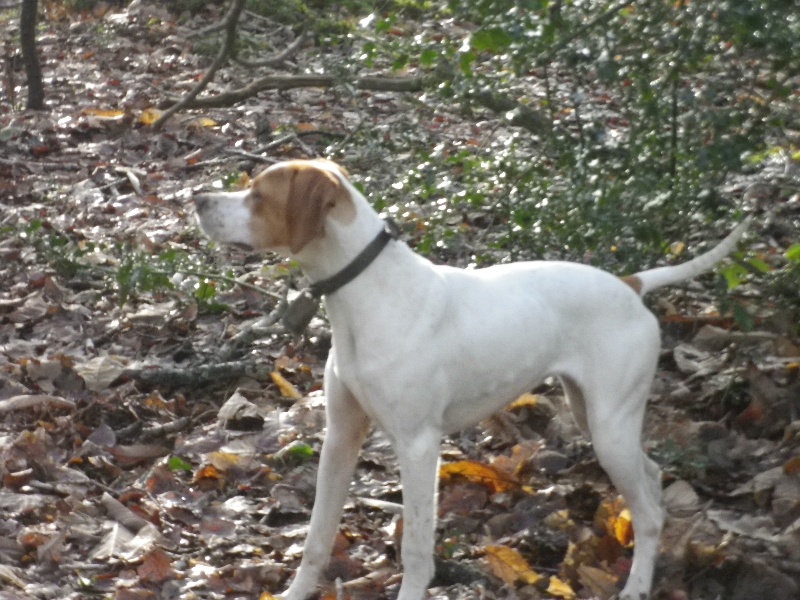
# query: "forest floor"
[144,453]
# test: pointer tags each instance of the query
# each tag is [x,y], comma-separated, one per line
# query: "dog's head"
[284,209]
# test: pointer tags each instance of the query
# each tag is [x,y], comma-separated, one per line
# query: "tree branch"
[227,49]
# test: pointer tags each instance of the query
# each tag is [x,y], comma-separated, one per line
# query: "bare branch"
[231,19]
[276,60]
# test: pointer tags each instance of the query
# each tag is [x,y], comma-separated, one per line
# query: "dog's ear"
[313,192]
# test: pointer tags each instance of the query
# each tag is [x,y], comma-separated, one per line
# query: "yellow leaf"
[207,472]
[202,122]
[476,472]
[677,248]
[559,520]
[560,589]
[224,460]
[149,116]
[509,565]
[615,519]
[523,401]
[623,528]
[100,113]
[287,389]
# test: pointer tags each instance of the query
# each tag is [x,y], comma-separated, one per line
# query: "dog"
[424,350]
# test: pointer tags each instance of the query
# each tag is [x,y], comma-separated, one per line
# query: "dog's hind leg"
[347,425]
[617,443]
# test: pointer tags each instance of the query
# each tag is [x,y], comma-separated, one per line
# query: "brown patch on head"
[634,282]
[290,204]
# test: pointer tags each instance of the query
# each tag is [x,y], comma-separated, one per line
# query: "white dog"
[426,350]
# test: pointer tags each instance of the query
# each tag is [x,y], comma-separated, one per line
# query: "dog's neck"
[342,241]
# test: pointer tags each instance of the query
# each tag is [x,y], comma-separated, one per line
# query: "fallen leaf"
[614,518]
[100,372]
[200,122]
[496,480]
[524,400]
[560,589]
[149,116]
[599,582]
[287,389]
[509,565]
[135,453]
[24,401]
[792,466]
[106,114]
[113,544]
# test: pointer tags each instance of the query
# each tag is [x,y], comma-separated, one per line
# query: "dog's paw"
[297,591]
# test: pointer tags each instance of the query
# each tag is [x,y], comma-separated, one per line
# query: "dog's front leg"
[347,425]
[419,470]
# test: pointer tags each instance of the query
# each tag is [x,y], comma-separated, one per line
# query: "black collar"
[301,310]
[358,264]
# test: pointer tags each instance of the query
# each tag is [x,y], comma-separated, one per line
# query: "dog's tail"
[647,281]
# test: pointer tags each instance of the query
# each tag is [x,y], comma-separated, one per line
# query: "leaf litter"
[121,486]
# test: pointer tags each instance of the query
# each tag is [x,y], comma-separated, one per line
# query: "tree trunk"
[27,42]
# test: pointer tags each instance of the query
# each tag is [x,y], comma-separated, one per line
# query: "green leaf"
[793,253]
[490,40]
[176,463]
[301,451]
[759,265]
[743,318]
[428,57]
[400,62]
[465,63]
[735,274]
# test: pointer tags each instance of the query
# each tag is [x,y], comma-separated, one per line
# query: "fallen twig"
[199,376]
[288,82]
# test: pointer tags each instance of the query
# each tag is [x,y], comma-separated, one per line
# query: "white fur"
[424,350]
[226,218]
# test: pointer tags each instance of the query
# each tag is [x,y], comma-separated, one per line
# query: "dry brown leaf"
[792,466]
[599,582]
[493,478]
[24,401]
[100,372]
[509,565]
[209,473]
[156,567]
[135,453]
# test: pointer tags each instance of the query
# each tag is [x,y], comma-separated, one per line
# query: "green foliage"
[171,271]
[134,271]
[645,115]
[60,252]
